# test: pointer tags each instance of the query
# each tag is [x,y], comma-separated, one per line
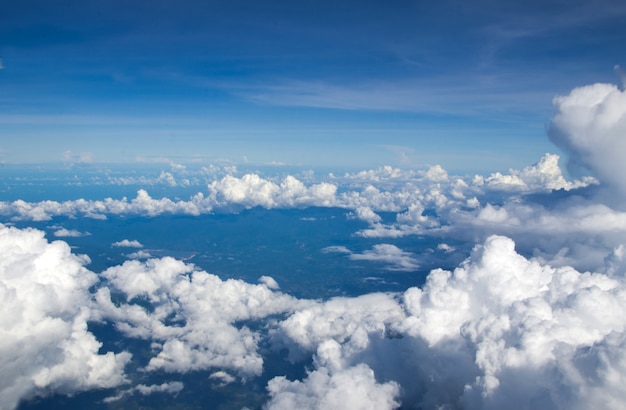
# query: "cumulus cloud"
[125,243]
[269,282]
[499,331]
[590,124]
[396,258]
[222,377]
[194,316]
[526,324]
[366,214]
[544,175]
[353,388]
[69,233]
[45,345]
[560,229]
[251,190]
[229,193]
[421,199]
[348,321]
[139,255]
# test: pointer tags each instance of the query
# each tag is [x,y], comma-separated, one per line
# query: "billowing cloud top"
[45,345]
[590,124]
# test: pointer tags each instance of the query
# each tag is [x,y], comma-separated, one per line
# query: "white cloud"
[336,249]
[549,230]
[69,233]
[269,282]
[366,214]
[445,247]
[167,178]
[223,377]
[172,388]
[396,258]
[125,243]
[436,173]
[498,331]
[352,388]
[544,175]
[195,315]
[590,124]
[348,321]
[389,254]
[498,328]
[385,173]
[525,323]
[366,193]
[139,255]
[45,346]
[251,190]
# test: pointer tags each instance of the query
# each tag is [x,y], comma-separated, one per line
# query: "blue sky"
[468,85]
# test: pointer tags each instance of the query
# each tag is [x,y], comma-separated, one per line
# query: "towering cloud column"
[590,124]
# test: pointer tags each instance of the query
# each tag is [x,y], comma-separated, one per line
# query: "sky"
[313,205]
[468,86]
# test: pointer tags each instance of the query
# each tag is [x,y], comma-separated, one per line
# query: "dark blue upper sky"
[464,84]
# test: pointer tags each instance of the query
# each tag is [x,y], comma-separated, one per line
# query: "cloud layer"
[532,317]
[500,327]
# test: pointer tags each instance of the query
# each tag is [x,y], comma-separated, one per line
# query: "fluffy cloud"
[68,233]
[366,214]
[269,282]
[560,231]
[420,198]
[389,254]
[590,124]
[353,388]
[142,204]
[499,331]
[125,243]
[251,190]
[529,327]
[229,193]
[194,316]
[544,175]
[45,345]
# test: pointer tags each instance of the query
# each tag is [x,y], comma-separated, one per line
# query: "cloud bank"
[45,345]
[499,329]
